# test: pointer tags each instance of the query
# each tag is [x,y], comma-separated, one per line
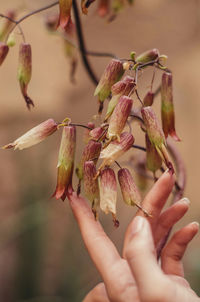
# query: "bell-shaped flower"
[3,52]
[156,135]
[153,159]
[65,20]
[97,133]
[119,117]
[130,192]
[25,70]
[65,162]
[167,107]
[148,56]
[115,149]
[91,152]
[113,72]
[108,192]
[91,187]
[123,87]
[34,135]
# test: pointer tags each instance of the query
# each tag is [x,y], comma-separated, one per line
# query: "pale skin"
[136,276]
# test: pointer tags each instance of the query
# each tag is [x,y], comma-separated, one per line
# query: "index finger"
[100,247]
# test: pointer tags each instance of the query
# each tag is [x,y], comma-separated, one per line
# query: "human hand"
[137,276]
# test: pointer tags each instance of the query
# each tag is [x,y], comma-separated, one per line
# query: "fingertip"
[167,177]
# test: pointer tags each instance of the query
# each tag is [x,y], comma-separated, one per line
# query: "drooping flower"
[25,70]
[97,133]
[111,75]
[147,56]
[153,159]
[119,117]
[115,149]
[130,192]
[34,135]
[156,135]
[167,107]
[3,52]
[91,152]
[65,20]
[148,99]
[91,187]
[65,162]
[108,192]
[123,87]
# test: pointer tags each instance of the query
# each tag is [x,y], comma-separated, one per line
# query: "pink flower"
[65,162]
[34,135]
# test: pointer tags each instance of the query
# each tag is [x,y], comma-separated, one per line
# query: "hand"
[137,276]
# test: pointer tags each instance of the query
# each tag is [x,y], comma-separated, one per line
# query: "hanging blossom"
[34,136]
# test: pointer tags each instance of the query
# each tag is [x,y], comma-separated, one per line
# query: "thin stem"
[17,22]
[118,164]
[139,147]
[137,117]
[157,91]
[13,21]
[82,44]
[80,125]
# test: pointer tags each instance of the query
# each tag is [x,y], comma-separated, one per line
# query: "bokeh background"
[42,256]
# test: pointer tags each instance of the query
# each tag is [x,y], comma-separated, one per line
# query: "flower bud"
[34,135]
[156,135]
[130,192]
[97,133]
[167,107]
[65,14]
[115,149]
[148,56]
[103,8]
[148,99]
[25,70]
[3,52]
[6,24]
[108,192]
[86,135]
[123,87]
[153,128]
[111,75]
[91,187]
[91,152]
[65,162]
[153,159]
[119,117]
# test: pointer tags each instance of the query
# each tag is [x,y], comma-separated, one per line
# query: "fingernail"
[185,200]
[195,223]
[137,224]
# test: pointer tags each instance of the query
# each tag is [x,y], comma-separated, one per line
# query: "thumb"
[141,257]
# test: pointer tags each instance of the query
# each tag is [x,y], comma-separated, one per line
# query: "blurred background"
[42,256]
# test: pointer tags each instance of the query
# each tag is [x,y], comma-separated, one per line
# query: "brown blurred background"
[42,256]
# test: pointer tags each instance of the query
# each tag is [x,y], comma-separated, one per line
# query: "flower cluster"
[107,142]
